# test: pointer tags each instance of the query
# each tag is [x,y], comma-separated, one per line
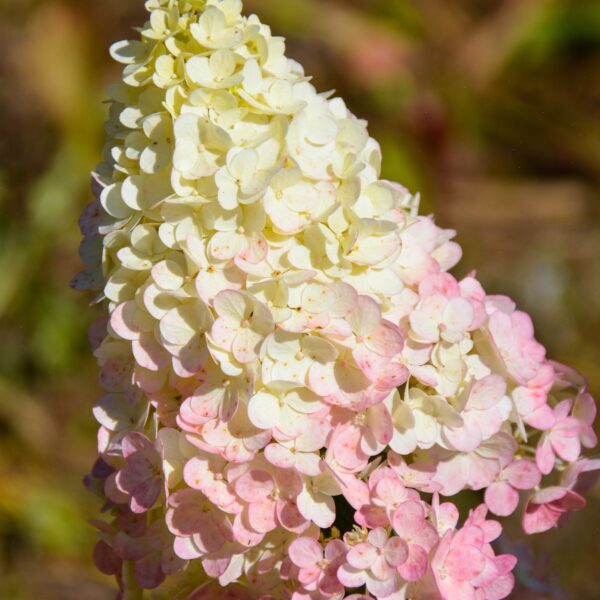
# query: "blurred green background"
[490,107]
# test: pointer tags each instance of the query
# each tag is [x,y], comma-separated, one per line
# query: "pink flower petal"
[408,518]
[290,517]
[351,577]
[501,498]
[148,572]
[379,423]
[522,474]
[396,551]
[335,550]
[254,485]
[186,549]
[362,556]
[246,345]
[244,534]
[487,392]
[540,517]
[305,552]
[124,321]
[385,339]
[464,563]
[346,448]
[280,456]
[541,418]
[544,456]
[365,317]
[149,353]
[416,564]
[262,516]
[256,250]
[500,588]
[196,472]
[568,448]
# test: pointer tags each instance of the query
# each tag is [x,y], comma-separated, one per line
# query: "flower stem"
[131,590]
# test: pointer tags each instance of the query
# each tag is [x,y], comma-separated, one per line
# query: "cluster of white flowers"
[284,342]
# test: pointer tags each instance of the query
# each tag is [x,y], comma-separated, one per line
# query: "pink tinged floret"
[377,429]
[476,469]
[352,443]
[562,440]
[342,383]
[417,475]
[584,410]
[379,336]
[426,250]
[532,406]
[513,338]
[490,528]
[268,500]
[242,325]
[152,551]
[545,508]
[306,553]
[286,458]
[125,321]
[226,566]
[548,506]
[254,486]
[244,533]
[199,527]
[217,396]
[420,536]
[387,492]
[262,515]
[354,490]
[150,382]
[481,416]
[205,473]
[244,248]
[442,314]
[141,477]
[375,562]
[204,406]
[471,288]
[236,440]
[439,283]
[346,448]
[148,353]
[105,559]
[383,372]
[464,565]
[318,568]
[501,587]
[118,414]
[502,496]
[444,516]
[302,452]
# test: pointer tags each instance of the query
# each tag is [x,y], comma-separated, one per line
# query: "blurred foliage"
[490,107]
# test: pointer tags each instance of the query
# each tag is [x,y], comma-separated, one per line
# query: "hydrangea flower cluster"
[295,385]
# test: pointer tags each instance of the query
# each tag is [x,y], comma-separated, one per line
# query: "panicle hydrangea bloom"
[290,370]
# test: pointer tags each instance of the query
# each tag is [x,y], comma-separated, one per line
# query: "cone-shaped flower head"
[288,364]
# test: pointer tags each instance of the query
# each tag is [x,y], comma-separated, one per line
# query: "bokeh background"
[490,107]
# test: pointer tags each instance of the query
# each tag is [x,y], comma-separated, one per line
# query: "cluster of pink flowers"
[295,385]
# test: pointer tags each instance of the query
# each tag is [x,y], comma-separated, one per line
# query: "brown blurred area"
[491,108]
